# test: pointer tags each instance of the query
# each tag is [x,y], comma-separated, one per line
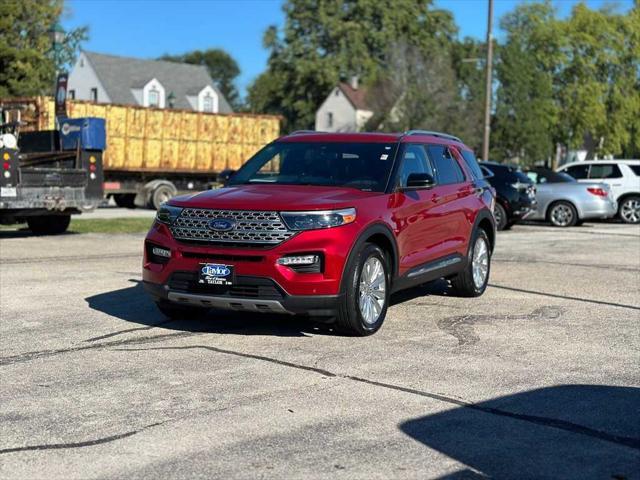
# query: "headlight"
[314,220]
[168,214]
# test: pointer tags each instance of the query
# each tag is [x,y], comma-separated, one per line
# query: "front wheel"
[630,210]
[49,224]
[473,280]
[364,304]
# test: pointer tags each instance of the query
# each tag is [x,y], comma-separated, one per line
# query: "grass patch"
[97,225]
[111,225]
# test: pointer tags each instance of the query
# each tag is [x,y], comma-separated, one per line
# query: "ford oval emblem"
[222,224]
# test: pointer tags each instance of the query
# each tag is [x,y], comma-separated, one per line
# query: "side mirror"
[420,180]
[225,175]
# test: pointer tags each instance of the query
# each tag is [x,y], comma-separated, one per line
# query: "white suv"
[623,176]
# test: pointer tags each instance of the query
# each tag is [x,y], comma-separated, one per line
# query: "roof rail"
[433,134]
[305,132]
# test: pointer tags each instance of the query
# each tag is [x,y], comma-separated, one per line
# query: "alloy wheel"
[630,210]
[372,290]
[480,263]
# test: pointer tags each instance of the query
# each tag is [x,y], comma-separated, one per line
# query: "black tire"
[500,215]
[125,200]
[463,283]
[562,214]
[350,319]
[629,210]
[160,195]
[49,224]
[180,312]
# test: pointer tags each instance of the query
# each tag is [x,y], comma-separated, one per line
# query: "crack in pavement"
[461,327]
[86,443]
[538,420]
[28,356]
[128,330]
[565,297]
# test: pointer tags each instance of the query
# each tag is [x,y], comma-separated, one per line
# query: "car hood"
[274,197]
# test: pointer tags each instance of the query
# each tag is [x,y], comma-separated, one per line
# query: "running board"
[445,262]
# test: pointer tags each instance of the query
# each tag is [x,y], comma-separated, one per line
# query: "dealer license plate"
[215,274]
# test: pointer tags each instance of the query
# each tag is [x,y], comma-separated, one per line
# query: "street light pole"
[488,90]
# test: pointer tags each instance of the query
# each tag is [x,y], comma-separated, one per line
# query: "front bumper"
[311,305]
[262,284]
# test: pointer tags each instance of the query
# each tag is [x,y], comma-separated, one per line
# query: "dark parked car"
[515,193]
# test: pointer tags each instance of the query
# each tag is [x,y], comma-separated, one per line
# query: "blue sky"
[149,28]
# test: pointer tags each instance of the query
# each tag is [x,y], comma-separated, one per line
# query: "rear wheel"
[49,224]
[563,214]
[473,280]
[501,217]
[364,304]
[629,211]
[163,193]
[180,312]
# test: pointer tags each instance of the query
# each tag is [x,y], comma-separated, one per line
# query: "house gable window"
[154,98]
[72,94]
[207,103]
[329,119]
[153,94]
[94,95]
[208,100]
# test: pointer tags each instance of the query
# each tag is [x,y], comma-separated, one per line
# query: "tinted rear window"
[447,169]
[605,170]
[635,169]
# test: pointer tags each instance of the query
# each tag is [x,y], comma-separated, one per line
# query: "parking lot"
[538,378]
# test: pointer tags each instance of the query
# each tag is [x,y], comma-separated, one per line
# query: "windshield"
[365,166]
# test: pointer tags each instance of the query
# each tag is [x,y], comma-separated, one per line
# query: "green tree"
[27,65]
[323,40]
[599,82]
[222,67]
[526,113]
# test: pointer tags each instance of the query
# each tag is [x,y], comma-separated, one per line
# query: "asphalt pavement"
[538,378]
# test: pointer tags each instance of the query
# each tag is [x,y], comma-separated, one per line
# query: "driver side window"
[414,160]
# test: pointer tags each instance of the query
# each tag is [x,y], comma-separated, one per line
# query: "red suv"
[327,225]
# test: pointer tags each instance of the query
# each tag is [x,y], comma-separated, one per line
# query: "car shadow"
[438,288]
[25,233]
[133,304]
[566,431]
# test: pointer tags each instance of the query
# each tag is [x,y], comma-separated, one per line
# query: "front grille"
[257,228]
[244,287]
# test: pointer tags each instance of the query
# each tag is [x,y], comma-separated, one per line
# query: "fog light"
[161,252]
[299,260]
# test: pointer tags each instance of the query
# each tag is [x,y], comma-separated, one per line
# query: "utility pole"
[488,92]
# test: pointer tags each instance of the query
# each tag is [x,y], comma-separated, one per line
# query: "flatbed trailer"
[153,154]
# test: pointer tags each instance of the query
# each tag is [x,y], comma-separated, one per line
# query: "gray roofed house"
[149,83]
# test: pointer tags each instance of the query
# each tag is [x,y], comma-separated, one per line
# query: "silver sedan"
[564,202]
